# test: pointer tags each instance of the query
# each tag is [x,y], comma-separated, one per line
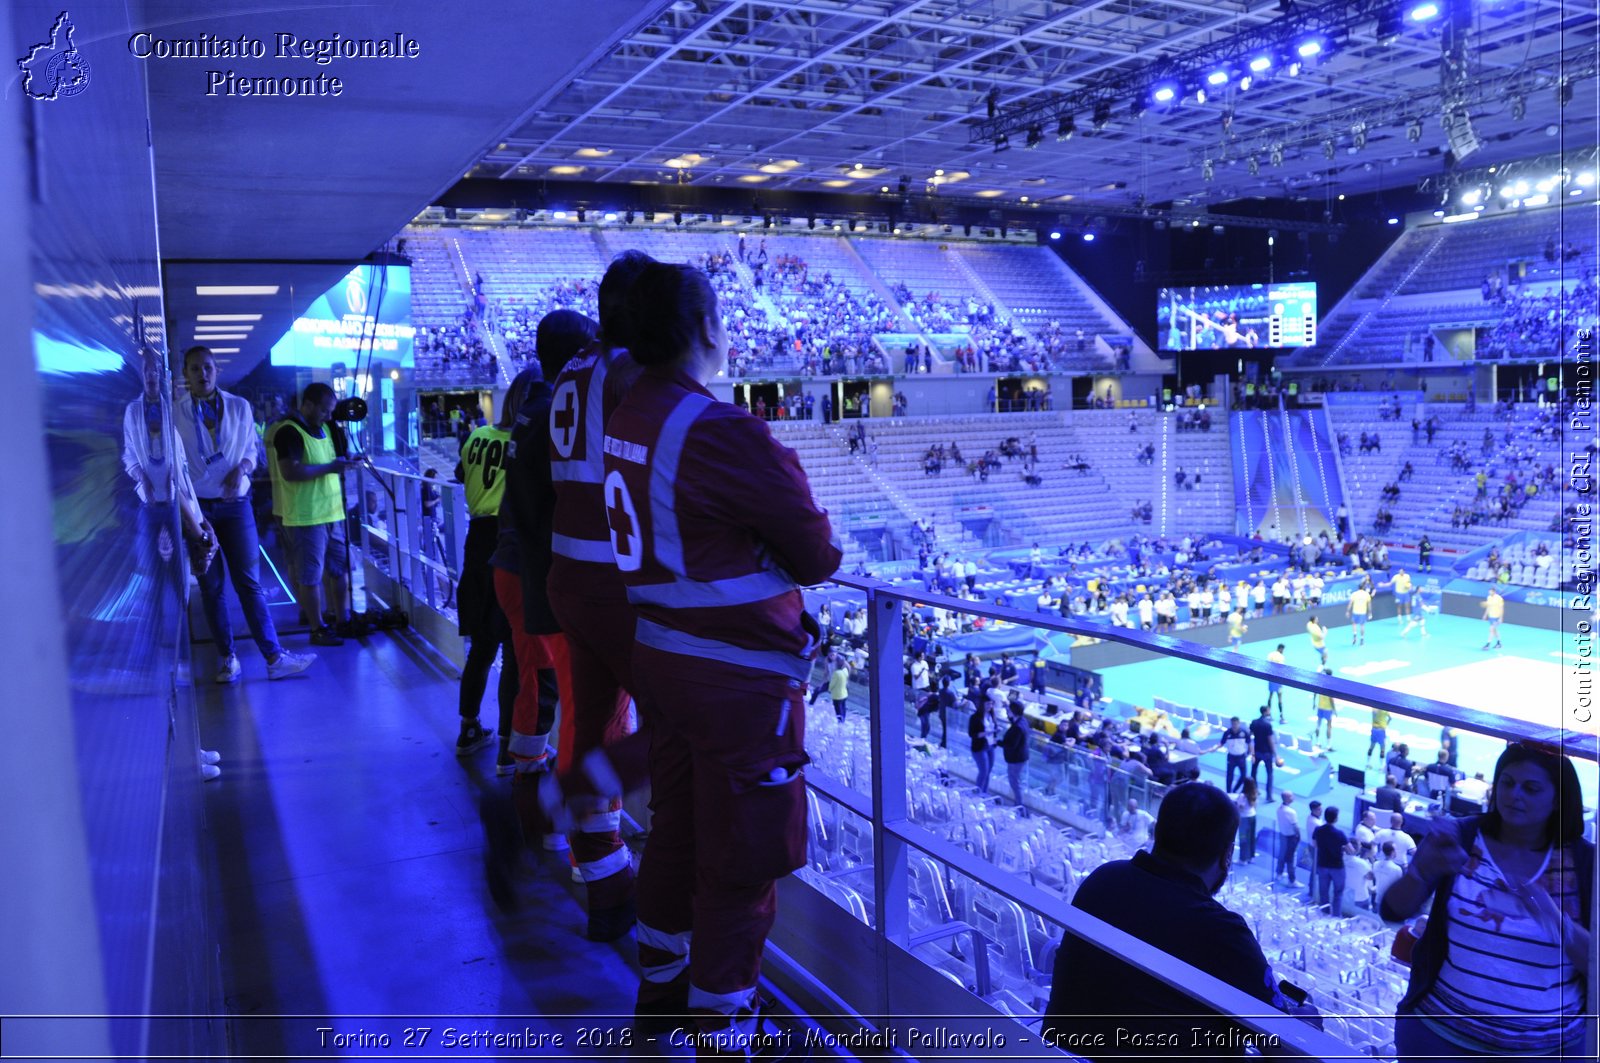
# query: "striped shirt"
[1506,984]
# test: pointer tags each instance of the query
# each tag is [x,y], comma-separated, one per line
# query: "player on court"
[1424,601]
[1236,628]
[1319,639]
[1356,609]
[1494,611]
[1323,703]
[1380,734]
[1402,600]
[1275,690]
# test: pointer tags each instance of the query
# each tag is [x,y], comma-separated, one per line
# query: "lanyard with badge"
[207,420]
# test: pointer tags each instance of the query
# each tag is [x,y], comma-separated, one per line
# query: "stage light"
[1586,179]
[1207,170]
[1389,26]
[1199,95]
[611,215]
[1245,83]
[1066,127]
[560,215]
[1574,192]
[1414,131]
[1261,64]
[1088,238]
[628,217]
[1217,77]
[1327,148]
[583,215]
[1165,92]
[1035,136]
[1002,143]
[677,217]
[1394,221]
[1294,69]
[1564,92]
[1055,234]
[1309,49]
[1424,12]
[1102,114]
[1536,201]
[1471,197]
[1438,214]
[1519,107]
[1254,165]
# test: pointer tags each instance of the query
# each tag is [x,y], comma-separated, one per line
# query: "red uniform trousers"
[546,679]
[600,637]
[728,819]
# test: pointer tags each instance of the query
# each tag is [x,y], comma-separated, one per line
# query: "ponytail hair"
[670,303]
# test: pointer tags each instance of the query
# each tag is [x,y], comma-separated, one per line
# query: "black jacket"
[527,510]
[1095,993]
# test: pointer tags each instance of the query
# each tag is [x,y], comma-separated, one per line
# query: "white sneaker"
[289,664]
[228,669]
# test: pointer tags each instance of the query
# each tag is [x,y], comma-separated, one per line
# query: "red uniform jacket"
[584,395]
[714,529]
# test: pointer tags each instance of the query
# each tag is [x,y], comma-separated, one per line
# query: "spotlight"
[905,185]
[1327,148]
[1245,83]
[1088,238]
[811,223]
[993,101]
[1586,179]
[1261,64]
[766,221]
[1358,133]
[1002,143]
[1066,127]
[1217,77]
[1294,69]
[1254,164]
[559,215]
[1519,107]
[677,217]
[1414,131]
[853,225]
[1207,170]
[628,217]
[1394,221]
[1309,49]
[1426,11]
[1564,92]
[1035,136]
[1199,95]
[611,215]
[1276,155]
[1166,92]
[1055,234]
[1388,26]
[1471,197]
[583,215]
[1136,109]
[1102,115]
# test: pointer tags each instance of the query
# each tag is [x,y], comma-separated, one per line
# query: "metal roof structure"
[856,95]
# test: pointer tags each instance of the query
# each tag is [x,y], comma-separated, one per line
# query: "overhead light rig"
[1575,168]
[1297,35]
[1408,112]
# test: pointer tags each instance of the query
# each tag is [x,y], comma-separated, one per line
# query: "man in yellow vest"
[305,488]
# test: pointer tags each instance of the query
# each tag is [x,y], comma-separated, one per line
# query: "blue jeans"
[235,525]
[1331,879]
[1014,774]
[984,759]
[1287,844]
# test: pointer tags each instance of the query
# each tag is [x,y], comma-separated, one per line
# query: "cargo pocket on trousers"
[766,819]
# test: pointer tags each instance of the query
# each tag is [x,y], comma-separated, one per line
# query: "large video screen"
[1237,316]
[366,315]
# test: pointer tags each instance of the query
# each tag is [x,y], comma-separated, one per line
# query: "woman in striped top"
[1503,965]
